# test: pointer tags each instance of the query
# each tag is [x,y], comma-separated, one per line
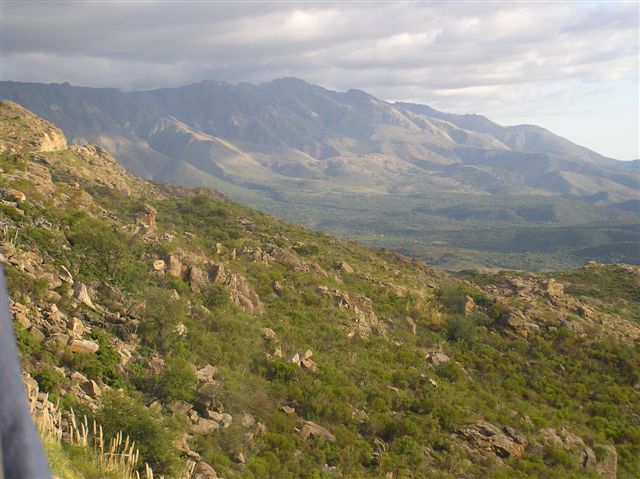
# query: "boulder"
[37,334]
[53,281]
[437,358]
[344,266]
[204,471]
[269,334]
[206,373]
[76,327]
[311,429]
[83,346]
[469,306]
[15,195]
[65,275]
[92,389]
[147,217]
[175,266]
[278,288]
[197,278]
[82,295]
[158,265]
[136,310]
[288,410]
[156,365]
[204,426]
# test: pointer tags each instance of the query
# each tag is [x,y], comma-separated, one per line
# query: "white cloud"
[492,58]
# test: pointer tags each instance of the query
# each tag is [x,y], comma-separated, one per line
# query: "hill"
[224,338]
[308,154]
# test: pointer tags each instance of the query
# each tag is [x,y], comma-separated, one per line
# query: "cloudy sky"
[571,67]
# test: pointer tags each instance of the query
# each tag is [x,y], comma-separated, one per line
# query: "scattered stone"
[83,346]
[582,454]
[180,407]
[238,456]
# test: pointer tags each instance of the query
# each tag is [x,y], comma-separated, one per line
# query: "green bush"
[153,437]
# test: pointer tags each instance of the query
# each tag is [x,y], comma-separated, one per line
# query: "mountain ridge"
[288,142]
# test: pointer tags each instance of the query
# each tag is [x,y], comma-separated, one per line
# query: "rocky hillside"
[222,338]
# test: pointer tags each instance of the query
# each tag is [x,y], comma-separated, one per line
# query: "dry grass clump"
[119,455]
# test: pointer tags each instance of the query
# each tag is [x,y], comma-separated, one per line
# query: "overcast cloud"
[571,67]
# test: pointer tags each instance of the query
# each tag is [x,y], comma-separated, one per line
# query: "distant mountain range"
[310,155]
[289,133]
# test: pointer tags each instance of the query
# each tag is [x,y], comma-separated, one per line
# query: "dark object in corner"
[21,456]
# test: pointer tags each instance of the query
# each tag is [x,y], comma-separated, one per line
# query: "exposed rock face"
[83,346]
[582,454]
[311,429]
[520,324]
[243,295]
[362,308]
[553,291]
[485,438]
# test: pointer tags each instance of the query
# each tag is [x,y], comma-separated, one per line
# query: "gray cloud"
[500,59]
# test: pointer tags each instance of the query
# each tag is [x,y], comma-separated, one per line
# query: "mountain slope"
[287,143]
[213,334]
